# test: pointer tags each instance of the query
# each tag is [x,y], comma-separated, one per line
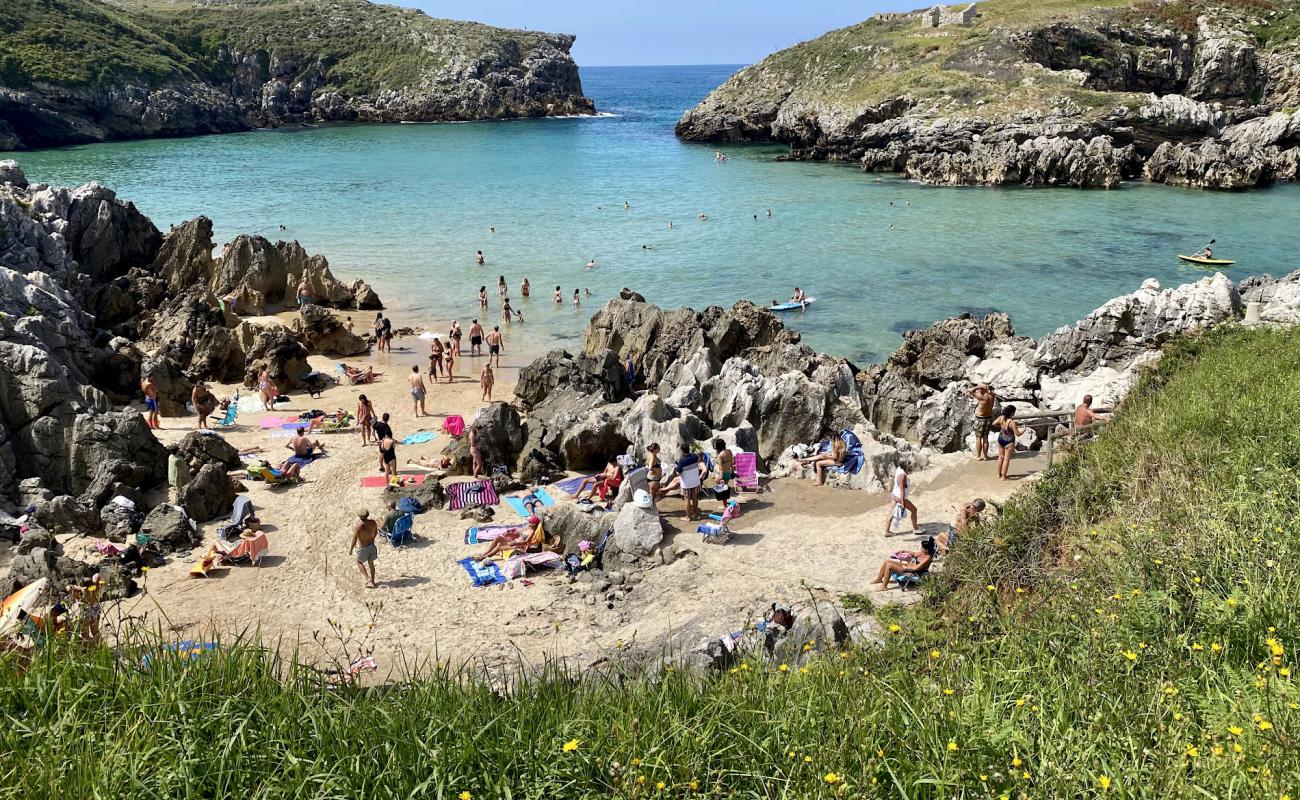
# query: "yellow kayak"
[1207,262]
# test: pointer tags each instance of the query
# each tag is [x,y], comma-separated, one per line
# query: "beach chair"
[719,531]
[401,533]
[272,476]
[232,413]
[908,580]
[747,473]
[336,424]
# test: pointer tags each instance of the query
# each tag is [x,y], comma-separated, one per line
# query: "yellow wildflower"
[807,759]
[1264,725]
[935,654]
[636,762]
[893,628]
[832,778]
[1104,782]
[1192,752]
[640,779]
[1016,762]
[570,746]
[1215,647]
[1130,655]
[694,786]
[952,746]
[784,668]
[661,786]
[465,796]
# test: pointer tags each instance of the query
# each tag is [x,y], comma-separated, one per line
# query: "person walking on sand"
[435,359]
[365,418]
[494,342]
[388,457]
[984,400]
[205,402]
[418,391]
[362,546]
[898,499]
[524,288]
[475,339]
[1008,432]
[382,430]
[150,390]
[486,379]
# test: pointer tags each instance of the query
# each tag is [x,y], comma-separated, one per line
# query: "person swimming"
[591,264]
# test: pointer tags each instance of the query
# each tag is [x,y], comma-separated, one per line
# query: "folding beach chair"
[232,413]
[273,477]
[720,531]
[401,533]
[747,473]
[908,580]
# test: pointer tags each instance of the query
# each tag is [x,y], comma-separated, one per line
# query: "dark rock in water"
[323,332]
[276,350]
[364,297]
[209,495]
[628,294]
[169,526]
[200,449]
[500,437]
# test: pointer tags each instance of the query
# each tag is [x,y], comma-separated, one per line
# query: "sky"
[669,31]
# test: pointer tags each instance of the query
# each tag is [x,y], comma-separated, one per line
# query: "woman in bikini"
[449,360]
[1008,432]
[482,297]
[524,288]
[365,418]
[654,468]
[454,333]
[435,359]
[501,286]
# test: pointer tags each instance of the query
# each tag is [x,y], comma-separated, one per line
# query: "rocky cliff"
[1070,93]
[87,71]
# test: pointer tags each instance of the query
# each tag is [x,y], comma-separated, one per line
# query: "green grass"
[1129,622]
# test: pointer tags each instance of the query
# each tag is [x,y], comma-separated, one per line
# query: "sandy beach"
[793,539]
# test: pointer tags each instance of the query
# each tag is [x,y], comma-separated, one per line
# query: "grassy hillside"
[1125,630]
[368,46]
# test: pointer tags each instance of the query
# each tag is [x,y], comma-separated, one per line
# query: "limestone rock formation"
[500,437]
[210,494]
[322,332]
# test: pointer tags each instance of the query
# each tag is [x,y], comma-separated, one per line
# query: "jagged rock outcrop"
[275,349]
[209,495]
[322,332]
[228,68]
[500,437]
[1087,97]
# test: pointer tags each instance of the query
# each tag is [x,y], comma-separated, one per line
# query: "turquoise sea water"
[406,207]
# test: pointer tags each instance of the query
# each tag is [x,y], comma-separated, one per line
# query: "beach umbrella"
[31,598]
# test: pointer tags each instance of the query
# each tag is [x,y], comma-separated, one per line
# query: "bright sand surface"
[793,539]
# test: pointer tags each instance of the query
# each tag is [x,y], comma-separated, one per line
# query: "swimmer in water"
[769,212]
[670,224]
[626,206]
[559,298]
[588,291]
[577,301]
[492,229]
[591,264]
[478,258]
[704,217]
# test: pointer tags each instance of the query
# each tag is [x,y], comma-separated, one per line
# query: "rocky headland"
[1198,94]
[142,69]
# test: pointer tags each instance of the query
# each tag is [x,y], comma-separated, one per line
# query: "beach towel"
[420,438]
[454,424]
[472,493]
[517,565]
[303,461]
[853,458]
[276,422]
[570,485]
[482,574]
[380,481]
[249,404]
[520,503]
[487,533]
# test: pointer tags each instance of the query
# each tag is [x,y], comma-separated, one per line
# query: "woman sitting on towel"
[611,478]
[821,462]
[524,539]
[906,563]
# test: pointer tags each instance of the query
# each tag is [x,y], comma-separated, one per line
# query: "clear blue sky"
[670,31]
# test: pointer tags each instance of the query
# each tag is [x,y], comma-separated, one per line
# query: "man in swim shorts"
[362,546]
[494,345]
[417,391]
[150,390]
[984,402]
[475,339]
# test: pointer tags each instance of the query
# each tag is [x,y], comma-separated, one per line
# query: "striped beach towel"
[472,493]
[482,573]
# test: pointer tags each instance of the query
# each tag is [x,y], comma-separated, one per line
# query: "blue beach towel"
[853,458]
[303,461]
[518,503]
[570,485]
[420,437]
[484,574]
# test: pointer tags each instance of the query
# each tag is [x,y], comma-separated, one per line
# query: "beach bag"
[409,505]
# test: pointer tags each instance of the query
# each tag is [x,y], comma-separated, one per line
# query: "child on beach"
[487,379]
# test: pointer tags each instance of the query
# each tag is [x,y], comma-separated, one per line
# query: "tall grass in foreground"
[1122,631]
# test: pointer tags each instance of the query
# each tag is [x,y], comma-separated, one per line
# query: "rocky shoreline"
[237,68]
[93,297]
[1084,101]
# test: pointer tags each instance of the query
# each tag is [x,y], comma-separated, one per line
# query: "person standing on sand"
[388,334]
[304,293]
[476,455]
[362,546]
[365,418]
[418,391]
[378,328]
[150,390]
[204,403]
[449,360]
[435,359]
[984,400]
[388,457]
[454,333]
[494,341]
[524,288]
[899,498]
[382,431]
[267,390]
[486,379]
[475,339]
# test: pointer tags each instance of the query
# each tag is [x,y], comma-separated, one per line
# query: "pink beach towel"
[454,424]
[380,481]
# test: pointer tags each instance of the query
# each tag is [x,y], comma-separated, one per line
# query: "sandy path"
[794,536]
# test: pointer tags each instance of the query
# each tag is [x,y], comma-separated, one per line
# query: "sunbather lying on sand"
[908,562]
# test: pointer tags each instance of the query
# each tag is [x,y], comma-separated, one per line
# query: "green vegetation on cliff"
[1126,629]
[369,47]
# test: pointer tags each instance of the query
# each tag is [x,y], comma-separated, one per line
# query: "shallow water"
[406,207]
